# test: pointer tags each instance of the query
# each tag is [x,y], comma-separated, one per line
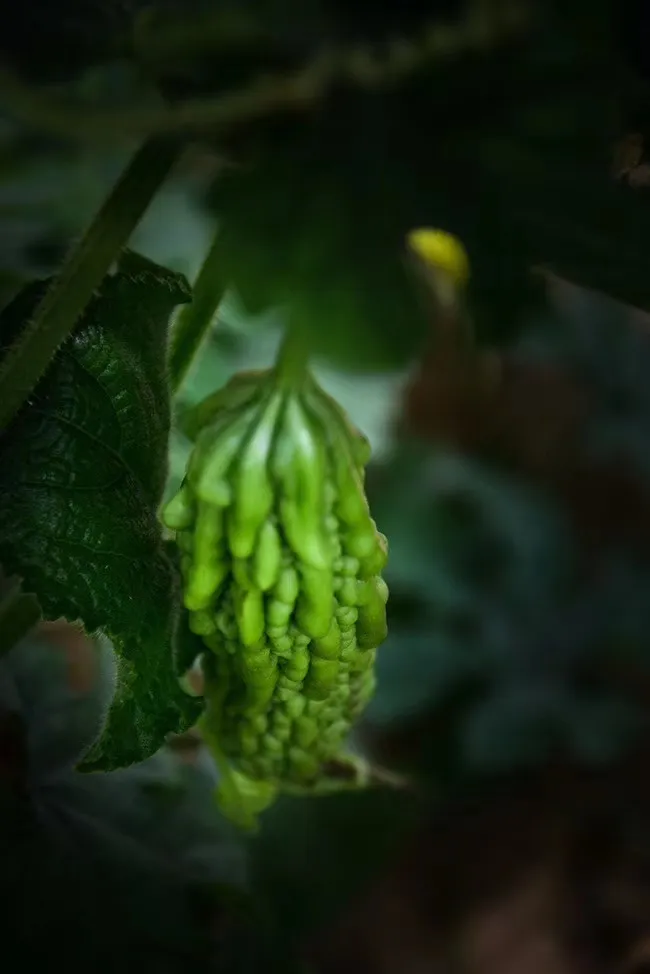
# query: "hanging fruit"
[281,564]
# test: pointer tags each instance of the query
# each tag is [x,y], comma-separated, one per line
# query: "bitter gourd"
[281,563]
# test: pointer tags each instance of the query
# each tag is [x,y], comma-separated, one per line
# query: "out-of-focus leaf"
[461,533]
[81,475]
[523,723]
[314,214]
[416,670]
[556,188]
[144,843]
[313,855]
[62,688]
[487,609]
[19,613]
[319,232]
[55,42]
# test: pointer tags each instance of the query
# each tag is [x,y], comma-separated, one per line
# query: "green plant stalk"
[61,307]
[292,361]
[193,322]
[365,67]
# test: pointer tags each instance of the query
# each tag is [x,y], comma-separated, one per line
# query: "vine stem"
[194,320]
[363,66]
[62,305]
[292,359]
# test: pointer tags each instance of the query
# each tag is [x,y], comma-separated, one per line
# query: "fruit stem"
[291,365]
[194,322]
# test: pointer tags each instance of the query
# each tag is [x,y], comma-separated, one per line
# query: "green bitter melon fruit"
[281,564]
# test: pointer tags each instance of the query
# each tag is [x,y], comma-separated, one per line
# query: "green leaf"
[314,219]
[82,472]
[317,227]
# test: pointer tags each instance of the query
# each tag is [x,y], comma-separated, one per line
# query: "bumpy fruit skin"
[281,565]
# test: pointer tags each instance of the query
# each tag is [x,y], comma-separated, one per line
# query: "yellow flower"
[441,251]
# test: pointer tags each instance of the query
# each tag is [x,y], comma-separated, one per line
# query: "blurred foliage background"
[510,472]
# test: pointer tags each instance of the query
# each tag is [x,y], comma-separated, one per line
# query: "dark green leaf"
[315,218]
[81,474]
